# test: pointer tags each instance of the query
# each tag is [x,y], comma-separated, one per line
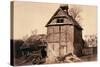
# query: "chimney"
[64,7]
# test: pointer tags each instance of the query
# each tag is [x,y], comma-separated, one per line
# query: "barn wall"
[70,38]
[66,39]
[63,38]
[51,53]
[53,43]
[78,42]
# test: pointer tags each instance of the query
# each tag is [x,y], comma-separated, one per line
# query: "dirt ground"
[19,61]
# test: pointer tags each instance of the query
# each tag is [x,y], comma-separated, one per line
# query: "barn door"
[62,44]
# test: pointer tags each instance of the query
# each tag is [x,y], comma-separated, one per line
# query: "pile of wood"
[68,58]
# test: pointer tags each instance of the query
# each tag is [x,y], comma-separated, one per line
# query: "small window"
[60,20]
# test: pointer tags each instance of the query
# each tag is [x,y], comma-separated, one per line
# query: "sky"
[30,16]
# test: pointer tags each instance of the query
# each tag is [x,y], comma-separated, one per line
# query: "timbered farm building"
[64,34]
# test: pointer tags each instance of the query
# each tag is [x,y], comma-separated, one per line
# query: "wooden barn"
[64,35]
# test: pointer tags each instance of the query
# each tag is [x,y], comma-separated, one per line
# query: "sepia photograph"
[52,33]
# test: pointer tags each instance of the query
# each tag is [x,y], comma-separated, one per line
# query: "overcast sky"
[29,16]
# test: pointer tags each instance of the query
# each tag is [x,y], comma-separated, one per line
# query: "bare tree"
[90,40]
[34,32]
[25,37]
[28,40]
[75,13]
